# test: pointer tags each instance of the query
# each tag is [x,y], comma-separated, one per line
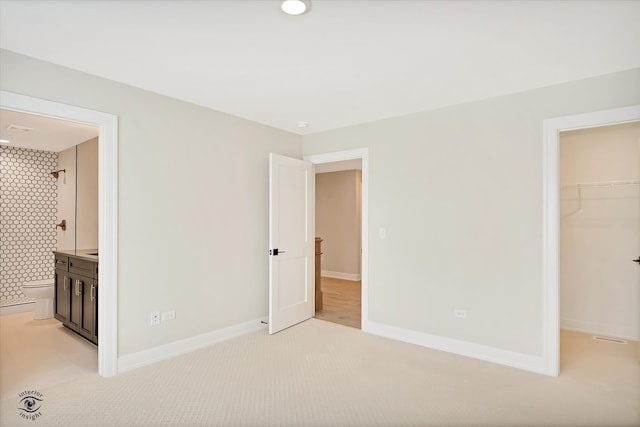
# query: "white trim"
[21,307]
[339,275]
[363,154]
[107,211]
[176,348]
[463,348]
[596,328]
[551,215]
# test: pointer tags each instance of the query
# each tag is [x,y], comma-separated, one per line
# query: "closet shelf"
[602,184]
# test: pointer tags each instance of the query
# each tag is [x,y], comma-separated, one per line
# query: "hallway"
[341,302]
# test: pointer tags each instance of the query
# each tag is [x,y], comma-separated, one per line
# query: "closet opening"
[599,235]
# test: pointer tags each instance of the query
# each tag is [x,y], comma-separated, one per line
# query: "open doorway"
[344,289]
[339,236]
[599,171]
[552,219]
[39,187]
[49,189]
[107,125]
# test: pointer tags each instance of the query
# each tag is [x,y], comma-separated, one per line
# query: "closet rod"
[603,184]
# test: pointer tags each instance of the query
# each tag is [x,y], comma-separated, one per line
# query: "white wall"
[600,292]
[459,191]
[338,223]
[192,203]
[66,199]
[87,195]
[77,201]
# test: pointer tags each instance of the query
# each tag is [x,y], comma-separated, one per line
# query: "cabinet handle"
[93,298]
[64,283]
[61,262]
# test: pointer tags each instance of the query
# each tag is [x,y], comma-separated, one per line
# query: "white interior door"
[291,242]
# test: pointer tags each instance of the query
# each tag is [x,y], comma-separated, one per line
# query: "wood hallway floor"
[341,302]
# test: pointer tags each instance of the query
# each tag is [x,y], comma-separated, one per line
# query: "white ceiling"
[45,133]
[345,62]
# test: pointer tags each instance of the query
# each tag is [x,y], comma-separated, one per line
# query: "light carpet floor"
[322,374]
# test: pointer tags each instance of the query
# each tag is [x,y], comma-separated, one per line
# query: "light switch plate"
[168,315]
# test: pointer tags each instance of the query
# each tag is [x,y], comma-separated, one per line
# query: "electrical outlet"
[168,315]
[155,318]
[460,313]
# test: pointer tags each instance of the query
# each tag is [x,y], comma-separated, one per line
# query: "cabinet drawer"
[83,267]
[62,262]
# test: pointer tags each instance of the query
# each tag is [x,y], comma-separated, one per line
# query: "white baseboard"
[477,351]
[17,308]
[595,328]
[167,351]
[339,275]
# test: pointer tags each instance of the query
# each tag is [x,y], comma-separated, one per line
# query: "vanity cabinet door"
[94,303]
[89,293]
[84,294]
[62,296]
[75,309]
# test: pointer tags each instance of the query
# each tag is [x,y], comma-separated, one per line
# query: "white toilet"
[43,292]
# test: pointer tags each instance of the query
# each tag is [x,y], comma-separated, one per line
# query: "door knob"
[637,260]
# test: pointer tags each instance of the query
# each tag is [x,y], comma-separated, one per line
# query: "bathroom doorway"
[49,186]
[39,188]
[107,125]
[341,221]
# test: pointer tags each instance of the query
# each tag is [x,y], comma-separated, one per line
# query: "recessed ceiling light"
[303,124]
[5,141]
[294,7]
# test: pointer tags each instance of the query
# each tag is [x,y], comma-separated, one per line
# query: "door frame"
[107,211]
[363,155]
[551,218]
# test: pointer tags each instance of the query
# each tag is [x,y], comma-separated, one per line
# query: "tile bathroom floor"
[35,354]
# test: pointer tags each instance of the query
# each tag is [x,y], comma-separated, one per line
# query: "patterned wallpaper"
[27,219]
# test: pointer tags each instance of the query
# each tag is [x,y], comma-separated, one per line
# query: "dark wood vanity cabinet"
[76,304]
[62,292]
[82,317]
